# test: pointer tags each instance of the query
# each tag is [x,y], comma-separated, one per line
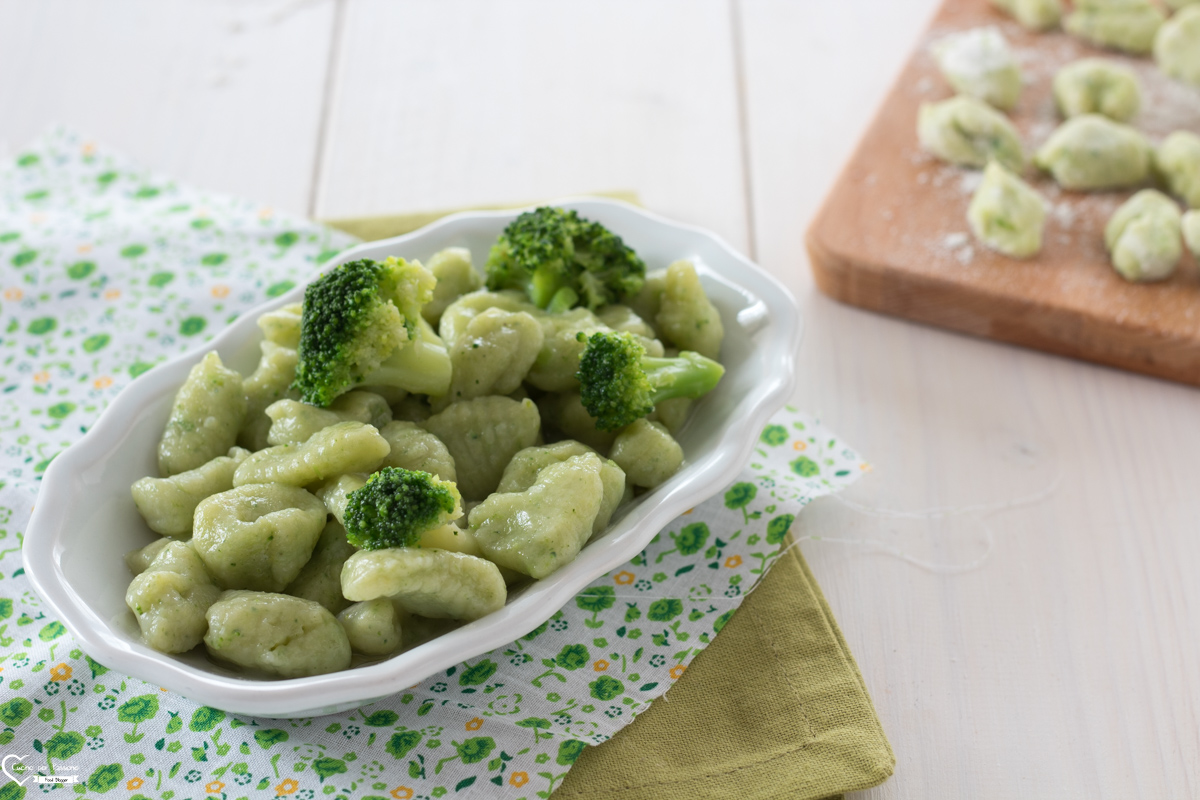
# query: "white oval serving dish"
[85,520]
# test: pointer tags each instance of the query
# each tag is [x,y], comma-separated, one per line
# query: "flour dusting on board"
[1074,220]
[1064,214]
[913,262]
[970,181]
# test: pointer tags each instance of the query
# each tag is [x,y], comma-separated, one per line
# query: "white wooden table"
[1018,575]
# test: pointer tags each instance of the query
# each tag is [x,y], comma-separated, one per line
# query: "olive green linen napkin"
[812,734]
[775,707]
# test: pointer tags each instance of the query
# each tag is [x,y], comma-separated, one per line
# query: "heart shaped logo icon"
[11,764]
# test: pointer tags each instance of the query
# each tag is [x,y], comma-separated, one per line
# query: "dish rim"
[280,698]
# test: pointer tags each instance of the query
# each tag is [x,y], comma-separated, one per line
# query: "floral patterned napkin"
[106,270]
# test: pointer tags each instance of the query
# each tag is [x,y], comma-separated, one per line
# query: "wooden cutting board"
[892,236]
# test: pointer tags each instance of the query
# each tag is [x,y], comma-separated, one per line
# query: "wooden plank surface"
[1013,576]
[893,237]
[1057,655]
[444,104]
[223,95]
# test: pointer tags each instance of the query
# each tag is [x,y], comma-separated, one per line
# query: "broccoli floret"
[396,506]
[562,260]
[620,383]
[361,316]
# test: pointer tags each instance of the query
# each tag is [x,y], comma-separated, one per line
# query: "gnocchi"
[538,529]
[979,63]
[288,637]
[1143,237]
[205,418]
[270,579]
[1177,162]
[1097,86]
[966,131]
[647,453]
[1007,214]
[258,536]
[1037,15]
[1177,46]
[438,584]
[1191,231]
[344,447]
[482,436]
[170,598]
[1128,25]
[169,504]
[293,422]
[1092,152]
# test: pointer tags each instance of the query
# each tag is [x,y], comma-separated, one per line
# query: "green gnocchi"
[455,277]
[270,580]
[493,354]
[1037,15]
[1092,152]
[205,418]
[539,529]
[523,470]
[686,317]
[293,422]
[170,598]
[320,579]
[564,413]
[1006,214]
[967,131]
[1143,237]
[482,436]
[558,359]
[1177,46]
[258,536]
[1128,25]
[343,447]
[282,326]
[1177,162]
[647,453]
[169,504]
[1191,231]
[415,448]
[979,63]
[283,636]
[1094,149]
[139,560]
[1097,86]
[270,382]
[372,627]
[438,584]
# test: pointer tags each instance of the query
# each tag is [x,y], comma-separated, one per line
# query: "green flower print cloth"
[105,270]
[775,704]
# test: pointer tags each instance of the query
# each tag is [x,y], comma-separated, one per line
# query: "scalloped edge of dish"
[47,539]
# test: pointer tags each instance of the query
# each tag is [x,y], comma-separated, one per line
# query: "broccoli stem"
[564,300]
[544,285]
[421,365]
[687,375]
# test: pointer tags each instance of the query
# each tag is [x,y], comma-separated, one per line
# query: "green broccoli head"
[353,318]
[619,383]
[396,506]
[561,260]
